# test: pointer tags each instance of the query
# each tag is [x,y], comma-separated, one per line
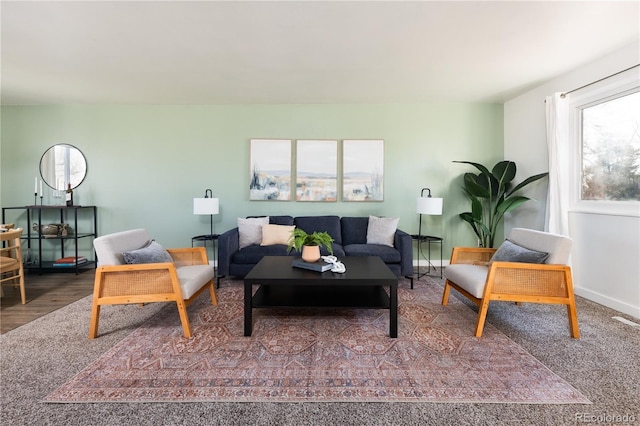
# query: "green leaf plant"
[491,195]
[300,238]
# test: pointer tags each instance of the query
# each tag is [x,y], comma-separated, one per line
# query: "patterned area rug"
[319,355]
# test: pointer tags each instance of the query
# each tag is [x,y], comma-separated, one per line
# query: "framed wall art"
[363,170]
[270,170]
[317,170]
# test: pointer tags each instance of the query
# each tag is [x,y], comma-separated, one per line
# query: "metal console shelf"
[32,237]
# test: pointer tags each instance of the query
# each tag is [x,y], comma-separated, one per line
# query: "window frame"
[612,88]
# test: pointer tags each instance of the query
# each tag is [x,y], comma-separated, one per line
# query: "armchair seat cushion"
[191,278]
[386,253]
[471,278]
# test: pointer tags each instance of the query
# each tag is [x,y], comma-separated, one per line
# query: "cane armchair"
[11,267]
[181,279]
[474,273]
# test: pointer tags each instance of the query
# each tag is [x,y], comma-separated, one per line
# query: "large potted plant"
[310,244]
[492,195]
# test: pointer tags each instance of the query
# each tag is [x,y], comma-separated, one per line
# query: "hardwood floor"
[45,293]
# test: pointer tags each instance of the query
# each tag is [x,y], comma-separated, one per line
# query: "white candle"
[35,189]
[40,189]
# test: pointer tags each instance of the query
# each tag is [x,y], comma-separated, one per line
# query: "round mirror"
[62,165]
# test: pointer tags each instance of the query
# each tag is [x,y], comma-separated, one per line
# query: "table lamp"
[427,205]
[207,205]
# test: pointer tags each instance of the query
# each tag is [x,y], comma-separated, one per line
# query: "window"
[606,147]
[611,149]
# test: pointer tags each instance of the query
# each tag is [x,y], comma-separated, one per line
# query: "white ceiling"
[209,52]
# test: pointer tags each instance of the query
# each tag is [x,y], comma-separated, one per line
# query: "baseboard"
[623,307]
[434,262]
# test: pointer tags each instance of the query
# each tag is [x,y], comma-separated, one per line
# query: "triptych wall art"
[317,163]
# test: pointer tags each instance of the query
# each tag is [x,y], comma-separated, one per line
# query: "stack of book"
[69,261]
[319,266]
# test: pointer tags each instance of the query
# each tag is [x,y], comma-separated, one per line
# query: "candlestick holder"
[35,199]
[41,200]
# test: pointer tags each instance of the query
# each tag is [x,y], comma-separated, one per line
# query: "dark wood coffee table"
[361,287]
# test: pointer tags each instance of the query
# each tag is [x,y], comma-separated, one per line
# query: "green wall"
[147,163]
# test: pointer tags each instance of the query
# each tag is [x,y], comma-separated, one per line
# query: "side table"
[204,238]
[429,239]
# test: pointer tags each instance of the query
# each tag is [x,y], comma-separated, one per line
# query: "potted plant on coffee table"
[309,244]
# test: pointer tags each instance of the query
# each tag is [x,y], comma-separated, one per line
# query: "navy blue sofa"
[349,235]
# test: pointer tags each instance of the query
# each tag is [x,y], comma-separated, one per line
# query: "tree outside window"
[611,150]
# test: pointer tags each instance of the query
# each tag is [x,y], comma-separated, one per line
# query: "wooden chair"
[180,281]
[11,268]
[472,273]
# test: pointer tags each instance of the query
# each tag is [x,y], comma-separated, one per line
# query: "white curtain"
[558,143]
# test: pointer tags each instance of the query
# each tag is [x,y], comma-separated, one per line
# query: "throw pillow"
[150,253]
[276,234]
[381,230]
[250,230]
[512,252]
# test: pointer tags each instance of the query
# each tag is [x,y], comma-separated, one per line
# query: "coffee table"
[360,287]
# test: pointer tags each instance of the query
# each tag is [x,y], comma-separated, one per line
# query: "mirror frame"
[52,185]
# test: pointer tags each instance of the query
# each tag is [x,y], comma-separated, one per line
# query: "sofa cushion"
[281,220]
[354,230]
[511,252]
[253,253]
[152,252]
[384,252]
[338,251]
[330,224]
[276,234]
[381,230]
[250,230]
[276,220]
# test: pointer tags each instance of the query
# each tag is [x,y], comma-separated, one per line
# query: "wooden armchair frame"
[11,267]
[145,283]
[516,282]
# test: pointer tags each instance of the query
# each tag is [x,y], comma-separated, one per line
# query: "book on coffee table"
[319,266]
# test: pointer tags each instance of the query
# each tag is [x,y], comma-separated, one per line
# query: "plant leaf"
[476,186]
[527,181]
[468,217]
[511,203]
[478,166]
[476,210]
[504,172]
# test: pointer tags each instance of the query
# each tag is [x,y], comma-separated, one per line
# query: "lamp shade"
[429,205]
[205,206]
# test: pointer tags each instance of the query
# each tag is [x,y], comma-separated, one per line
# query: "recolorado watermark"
[603,418]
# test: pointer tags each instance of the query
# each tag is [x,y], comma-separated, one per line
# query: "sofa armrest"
[228,244]
[403,243]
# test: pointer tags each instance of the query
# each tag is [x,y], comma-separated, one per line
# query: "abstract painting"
[363,170]
[270,170]
[317,170]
